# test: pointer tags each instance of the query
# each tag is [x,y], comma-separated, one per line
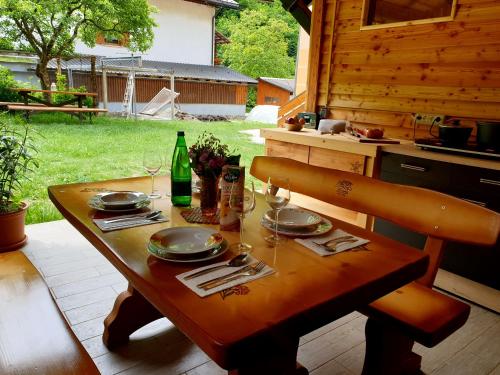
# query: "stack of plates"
[119,201]
[187,244]
[297,222]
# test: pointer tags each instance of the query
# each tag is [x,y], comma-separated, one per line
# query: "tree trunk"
[43,73]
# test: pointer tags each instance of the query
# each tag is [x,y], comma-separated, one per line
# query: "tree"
[271,9]
[258,46]
[51,27]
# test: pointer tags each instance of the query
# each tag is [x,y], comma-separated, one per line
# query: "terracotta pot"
[12,235]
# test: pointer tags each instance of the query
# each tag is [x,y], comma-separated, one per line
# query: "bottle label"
[181,188]
[233,177]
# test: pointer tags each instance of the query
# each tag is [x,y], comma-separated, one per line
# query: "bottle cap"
[180,133]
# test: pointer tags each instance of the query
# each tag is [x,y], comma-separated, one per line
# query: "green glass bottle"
[180,175]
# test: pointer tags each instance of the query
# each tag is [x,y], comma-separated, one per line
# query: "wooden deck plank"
[160,348]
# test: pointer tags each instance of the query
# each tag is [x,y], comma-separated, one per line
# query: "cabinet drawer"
[332,159]
[483,181]
[409,170]
[287,150]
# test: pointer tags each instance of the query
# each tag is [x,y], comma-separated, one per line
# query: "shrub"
[7,82]
[62,85]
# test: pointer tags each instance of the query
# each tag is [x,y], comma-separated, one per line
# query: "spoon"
[238,261]
[150,216]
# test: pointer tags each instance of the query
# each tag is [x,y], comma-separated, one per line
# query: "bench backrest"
[439,216]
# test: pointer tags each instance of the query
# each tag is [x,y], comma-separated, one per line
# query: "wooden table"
[46,105]
[78,97]
[256,329]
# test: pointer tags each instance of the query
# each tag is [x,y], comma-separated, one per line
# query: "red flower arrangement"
[208,155]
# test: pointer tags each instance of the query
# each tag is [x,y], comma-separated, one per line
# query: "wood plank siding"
[191,91]
[268,94]
[382,76]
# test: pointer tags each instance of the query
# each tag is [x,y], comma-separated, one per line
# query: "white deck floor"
[85,286]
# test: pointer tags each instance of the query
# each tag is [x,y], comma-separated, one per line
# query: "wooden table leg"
[130,312]
[388,351]
[282,361]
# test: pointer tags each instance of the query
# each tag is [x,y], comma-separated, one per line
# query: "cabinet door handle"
[489,182]
[413,167]
[482,204]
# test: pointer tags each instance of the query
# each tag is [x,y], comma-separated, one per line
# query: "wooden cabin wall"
[381,77]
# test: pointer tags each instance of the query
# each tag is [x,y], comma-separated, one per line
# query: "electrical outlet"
[428,119]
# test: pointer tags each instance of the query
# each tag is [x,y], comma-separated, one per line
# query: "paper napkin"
[123,224]
[310,243]
[191,284]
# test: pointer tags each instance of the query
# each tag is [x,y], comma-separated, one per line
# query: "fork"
[252,270]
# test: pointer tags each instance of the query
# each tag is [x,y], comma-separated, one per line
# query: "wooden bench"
[67,109]
[34,337]
[414,312]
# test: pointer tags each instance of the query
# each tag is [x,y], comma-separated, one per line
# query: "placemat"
[193,215]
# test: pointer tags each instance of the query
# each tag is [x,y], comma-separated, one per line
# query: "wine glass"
[152,162]
[242,202]
[277,202]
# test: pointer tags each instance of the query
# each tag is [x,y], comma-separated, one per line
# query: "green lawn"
[112,148]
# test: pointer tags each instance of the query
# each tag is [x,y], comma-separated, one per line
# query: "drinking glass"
[277,202]
[242,203]
[152,162]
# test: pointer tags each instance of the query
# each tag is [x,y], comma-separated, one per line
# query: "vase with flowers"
[208,155]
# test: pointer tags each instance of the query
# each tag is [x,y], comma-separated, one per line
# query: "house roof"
[219,3]
[179,70]
[283,83]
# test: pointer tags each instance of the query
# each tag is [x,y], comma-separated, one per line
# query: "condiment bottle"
[180,175]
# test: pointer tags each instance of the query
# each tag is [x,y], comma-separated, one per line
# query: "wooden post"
[172,102]
[93,80]
[104,88]
[315,55]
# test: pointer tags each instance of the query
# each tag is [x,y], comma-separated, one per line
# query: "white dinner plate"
[122,199]
[294,218]
[185,241]
[96,203]
[323,227]
[200,257]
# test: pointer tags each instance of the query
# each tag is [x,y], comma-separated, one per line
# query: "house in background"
[185,33]
[274,91]
[185,45]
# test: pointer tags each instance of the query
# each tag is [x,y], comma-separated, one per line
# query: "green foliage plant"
[61,85]
[50,28]
[16,161]
[7,82]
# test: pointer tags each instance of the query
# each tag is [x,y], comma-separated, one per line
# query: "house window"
[271,100]
[112,41]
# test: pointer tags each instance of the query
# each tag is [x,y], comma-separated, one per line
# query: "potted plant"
[16,162]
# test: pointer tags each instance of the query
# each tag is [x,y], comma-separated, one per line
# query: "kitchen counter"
[310,137]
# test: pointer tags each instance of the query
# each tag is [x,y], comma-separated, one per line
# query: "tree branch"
[29,37]
[71,39]
[58,29]
[39,31]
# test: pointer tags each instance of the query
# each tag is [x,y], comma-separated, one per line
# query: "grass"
[112,148]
